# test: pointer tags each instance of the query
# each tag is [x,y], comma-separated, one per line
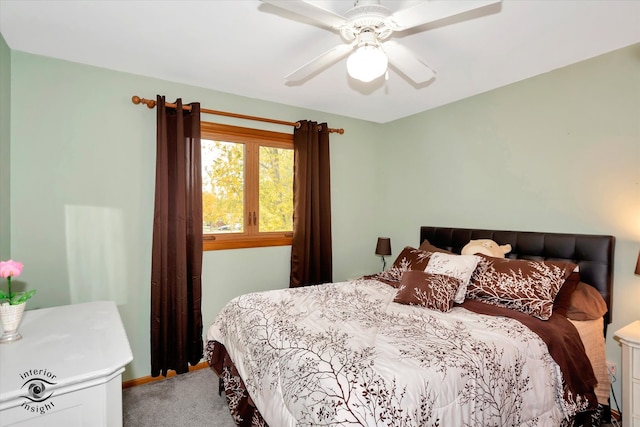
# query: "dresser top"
[65,345]
[630,334]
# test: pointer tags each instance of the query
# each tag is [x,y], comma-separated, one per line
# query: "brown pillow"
[409,259]
[526,286]
[586,303]
[435,291]
[563,299]
[428,247]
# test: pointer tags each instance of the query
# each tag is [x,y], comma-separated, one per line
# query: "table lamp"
[383,247]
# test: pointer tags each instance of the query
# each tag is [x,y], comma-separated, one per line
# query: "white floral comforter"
[345,354]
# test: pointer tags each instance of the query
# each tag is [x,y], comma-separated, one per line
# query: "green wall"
[558,152]
[5,149]
[82,180]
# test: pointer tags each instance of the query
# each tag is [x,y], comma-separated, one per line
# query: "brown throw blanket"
[564,344]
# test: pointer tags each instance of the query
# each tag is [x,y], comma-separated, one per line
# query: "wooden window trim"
[213,242]
[248,136]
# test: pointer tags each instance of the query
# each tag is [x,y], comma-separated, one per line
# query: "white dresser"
[66,370]
[630,339]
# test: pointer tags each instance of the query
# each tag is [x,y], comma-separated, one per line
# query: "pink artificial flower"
[10,268]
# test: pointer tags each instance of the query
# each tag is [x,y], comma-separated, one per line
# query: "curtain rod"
[151,104]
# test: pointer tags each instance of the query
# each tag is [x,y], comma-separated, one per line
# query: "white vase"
[10,317]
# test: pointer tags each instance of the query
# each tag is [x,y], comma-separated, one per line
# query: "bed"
[378,350]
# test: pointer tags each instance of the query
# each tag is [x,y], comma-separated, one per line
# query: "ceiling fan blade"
[434,10]
[407,63]
[319,63]
[311,11]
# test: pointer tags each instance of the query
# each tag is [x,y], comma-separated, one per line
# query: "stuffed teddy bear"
[486,247]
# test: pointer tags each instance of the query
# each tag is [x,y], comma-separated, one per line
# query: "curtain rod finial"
[150,103]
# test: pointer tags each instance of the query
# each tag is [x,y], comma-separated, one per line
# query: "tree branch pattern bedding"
[347,354]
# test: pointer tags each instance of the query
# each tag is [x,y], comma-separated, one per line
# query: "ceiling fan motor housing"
[367,15]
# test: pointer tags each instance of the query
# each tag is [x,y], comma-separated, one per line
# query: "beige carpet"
[184,400]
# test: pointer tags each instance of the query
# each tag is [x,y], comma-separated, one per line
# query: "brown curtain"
[311,256]
[176,260]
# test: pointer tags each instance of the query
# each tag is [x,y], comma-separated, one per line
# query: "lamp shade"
[384,246]
[638,265]
[367,63]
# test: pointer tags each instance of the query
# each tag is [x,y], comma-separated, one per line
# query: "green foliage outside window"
[223,189]
[276,189]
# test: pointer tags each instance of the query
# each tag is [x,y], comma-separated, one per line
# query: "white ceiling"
[246,47]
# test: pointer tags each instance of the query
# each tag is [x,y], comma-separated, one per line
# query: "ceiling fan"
[367,29]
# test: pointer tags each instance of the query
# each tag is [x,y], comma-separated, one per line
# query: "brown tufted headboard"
[592,253]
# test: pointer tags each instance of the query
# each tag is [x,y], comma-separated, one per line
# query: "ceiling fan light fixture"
[367,63]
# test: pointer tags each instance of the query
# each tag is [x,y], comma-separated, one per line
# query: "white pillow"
[459,266]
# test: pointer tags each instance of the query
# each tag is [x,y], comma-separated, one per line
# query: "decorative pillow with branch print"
[459,266]
[409,259]
[527,286]
[435,291]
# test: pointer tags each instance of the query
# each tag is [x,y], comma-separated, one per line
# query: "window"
[247,187]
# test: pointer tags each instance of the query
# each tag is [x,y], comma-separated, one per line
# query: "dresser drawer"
[635,401]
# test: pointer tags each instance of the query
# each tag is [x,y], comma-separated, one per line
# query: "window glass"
[223,186]
[276,189]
